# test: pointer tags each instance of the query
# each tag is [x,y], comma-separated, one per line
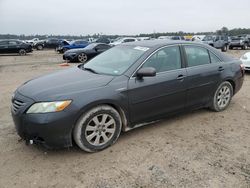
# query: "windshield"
[118,39]
[116,60]
[207,38]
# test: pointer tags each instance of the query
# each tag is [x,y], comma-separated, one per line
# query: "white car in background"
[198,38]
[246,61]
[164,37]
[32,41]
[123,40]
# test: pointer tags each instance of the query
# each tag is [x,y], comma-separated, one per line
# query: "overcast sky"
[81,17]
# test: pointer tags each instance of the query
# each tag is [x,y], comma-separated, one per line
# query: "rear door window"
[196,56]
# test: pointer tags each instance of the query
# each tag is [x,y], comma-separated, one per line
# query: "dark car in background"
[51,43]
[127,86]
[72,45]
[84,54]
[14,46]
[62,43]
[239,42]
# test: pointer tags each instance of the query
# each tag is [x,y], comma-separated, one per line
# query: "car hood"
[62,84]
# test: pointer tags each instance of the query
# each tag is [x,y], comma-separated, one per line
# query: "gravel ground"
[196,149]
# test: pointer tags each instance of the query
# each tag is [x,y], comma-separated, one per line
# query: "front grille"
[17,104]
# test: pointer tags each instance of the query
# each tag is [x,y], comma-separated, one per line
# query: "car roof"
[158,43]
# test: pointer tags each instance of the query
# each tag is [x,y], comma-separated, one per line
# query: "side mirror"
[146,72]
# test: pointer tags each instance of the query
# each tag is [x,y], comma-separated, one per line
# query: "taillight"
[242,68]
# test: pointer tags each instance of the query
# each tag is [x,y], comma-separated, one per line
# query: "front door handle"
[220,69]
[180,77]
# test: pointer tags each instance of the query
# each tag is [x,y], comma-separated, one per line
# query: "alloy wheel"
[223,96]
[82,57]
[100,129]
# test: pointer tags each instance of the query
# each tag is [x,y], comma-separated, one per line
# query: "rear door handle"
[220,69]
[180,77]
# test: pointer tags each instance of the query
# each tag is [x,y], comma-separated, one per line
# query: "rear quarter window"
[214,58]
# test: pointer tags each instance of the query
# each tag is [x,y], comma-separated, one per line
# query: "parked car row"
[222,42]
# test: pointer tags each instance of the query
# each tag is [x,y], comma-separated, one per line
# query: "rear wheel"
[22,52]
[222,97]
[82,57]
[97,129]
[39,47]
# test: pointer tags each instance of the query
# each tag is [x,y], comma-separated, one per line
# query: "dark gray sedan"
[84,54]
[125,87]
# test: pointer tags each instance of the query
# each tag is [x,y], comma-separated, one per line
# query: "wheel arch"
[121,110]
[232,83]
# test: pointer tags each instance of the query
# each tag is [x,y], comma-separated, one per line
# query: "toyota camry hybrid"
[125,87]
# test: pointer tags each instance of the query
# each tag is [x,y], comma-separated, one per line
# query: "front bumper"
[70,57]
[238,44]
[53,130]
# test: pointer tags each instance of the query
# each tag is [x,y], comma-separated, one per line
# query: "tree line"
[223,30]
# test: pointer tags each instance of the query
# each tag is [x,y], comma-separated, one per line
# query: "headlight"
[45,107]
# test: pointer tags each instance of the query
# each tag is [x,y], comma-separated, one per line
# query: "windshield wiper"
[89,69]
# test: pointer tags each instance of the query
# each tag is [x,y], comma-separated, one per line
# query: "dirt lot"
[199,149]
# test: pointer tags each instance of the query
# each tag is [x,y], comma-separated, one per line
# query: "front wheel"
[97,129]
[82,57]
[224,48]
[222,97]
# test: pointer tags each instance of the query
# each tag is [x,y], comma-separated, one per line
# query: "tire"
[90,132]
[22,52]
[39,47]
[244,47]
[82,57]
[224,48]
[230,47]
[222,97]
